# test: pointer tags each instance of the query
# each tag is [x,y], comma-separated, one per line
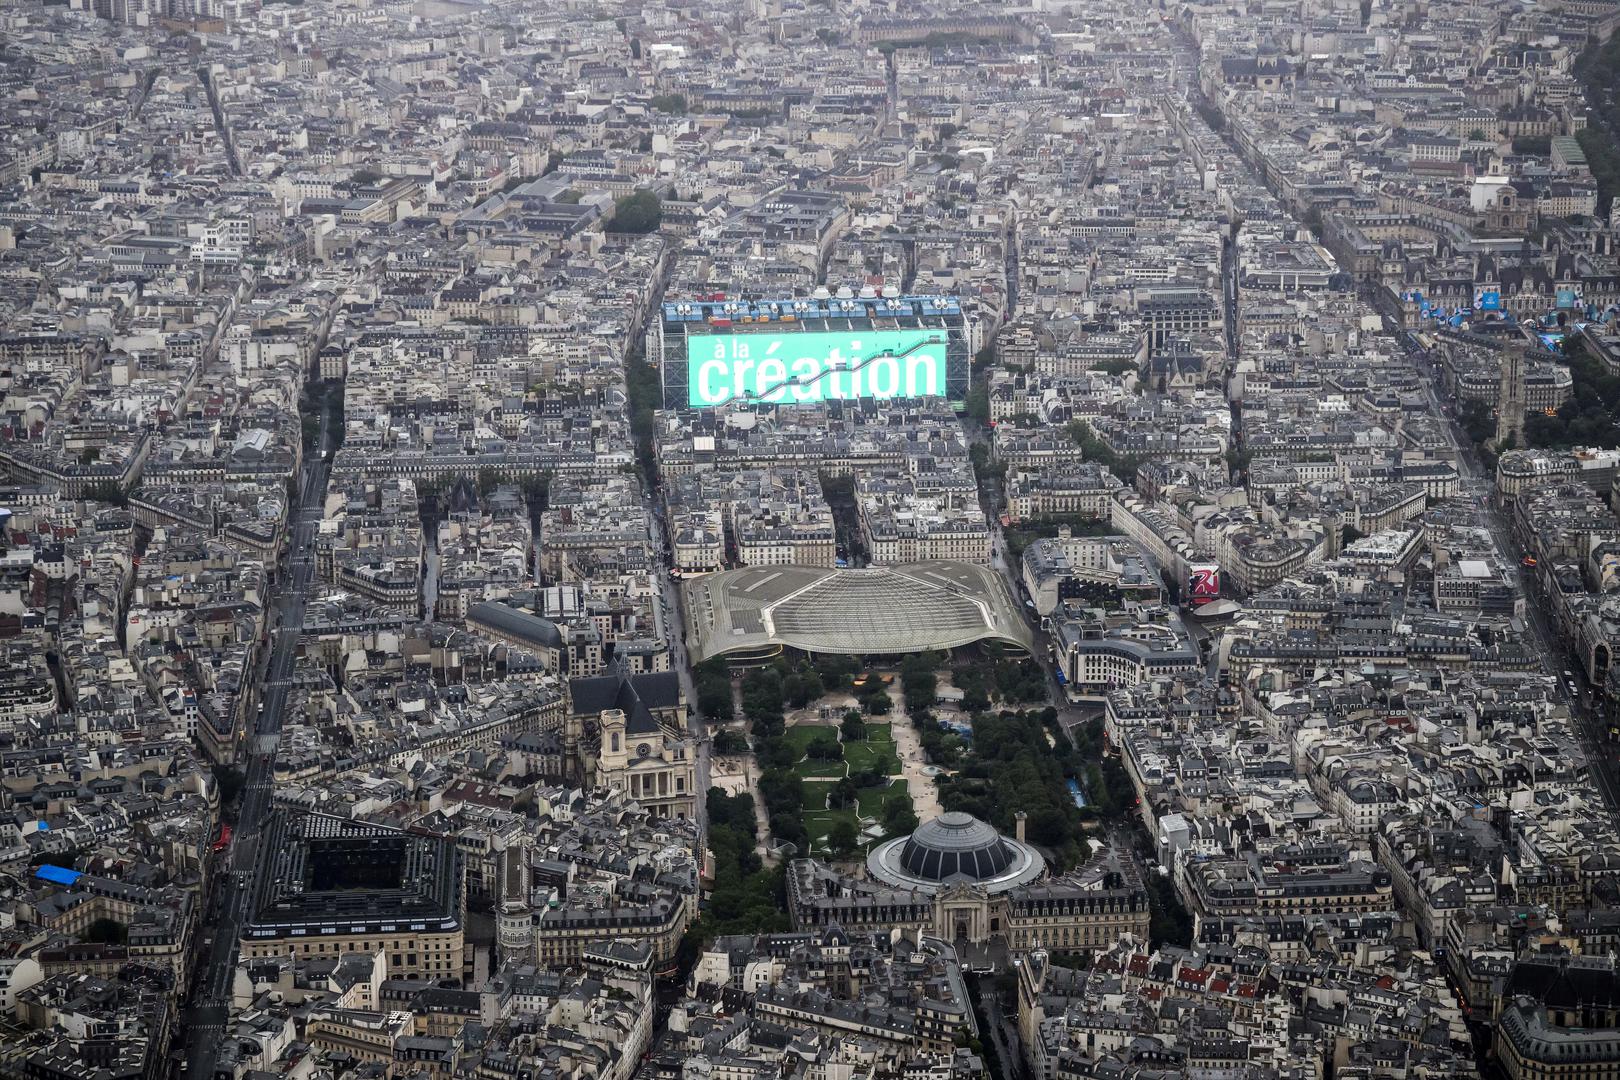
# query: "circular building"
[955,849]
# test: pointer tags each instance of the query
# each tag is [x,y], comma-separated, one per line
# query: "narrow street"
[670,616]
[669,613]
[1229,289]
[1000,1030]
[1479,484]
[222,123]
[430,572]
[202,1025]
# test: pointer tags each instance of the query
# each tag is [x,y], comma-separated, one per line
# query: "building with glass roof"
[756,612]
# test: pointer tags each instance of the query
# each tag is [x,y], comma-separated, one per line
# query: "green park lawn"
[873,754]
[818,777]
[876,751]
[800,736]
[870,800]
[818,823]
[810,768]
[869,807]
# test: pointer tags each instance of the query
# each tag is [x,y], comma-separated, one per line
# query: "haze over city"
[809,540]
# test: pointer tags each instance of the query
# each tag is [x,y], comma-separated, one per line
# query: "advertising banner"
[1203,584]
[807,367]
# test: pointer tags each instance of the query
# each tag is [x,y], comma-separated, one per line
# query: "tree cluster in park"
[1599,71]
[638,213]
[748,897]
[1588,418]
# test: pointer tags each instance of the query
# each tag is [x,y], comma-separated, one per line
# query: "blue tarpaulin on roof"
[57,875]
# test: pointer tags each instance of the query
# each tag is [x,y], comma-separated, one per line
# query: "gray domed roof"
[951,849]
[956,844]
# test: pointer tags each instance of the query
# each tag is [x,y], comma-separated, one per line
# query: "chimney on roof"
[1018,828]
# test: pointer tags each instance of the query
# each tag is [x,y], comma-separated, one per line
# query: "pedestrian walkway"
[734,775]
[913,763]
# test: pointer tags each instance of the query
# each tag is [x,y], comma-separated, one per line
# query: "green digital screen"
[788,368]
